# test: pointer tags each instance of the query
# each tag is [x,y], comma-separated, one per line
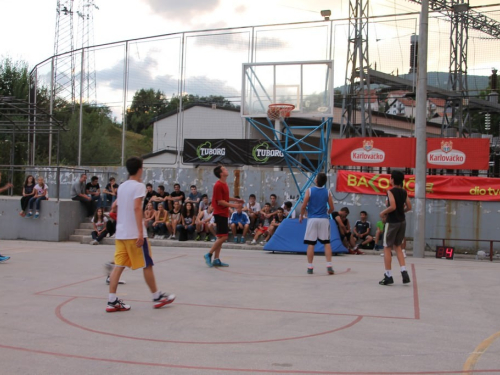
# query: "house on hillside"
[402,105]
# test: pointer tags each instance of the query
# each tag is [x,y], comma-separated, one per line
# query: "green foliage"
[14,79]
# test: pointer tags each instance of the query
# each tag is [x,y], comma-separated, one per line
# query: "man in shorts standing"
[394,232]
[132,247]
[318,221]
[220,203]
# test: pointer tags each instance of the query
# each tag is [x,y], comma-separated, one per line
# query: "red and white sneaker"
[163,299]
[118,305]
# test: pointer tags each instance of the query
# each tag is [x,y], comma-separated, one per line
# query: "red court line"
[186,367]
[286,276]
[67,321]
[96,277]
[416,303]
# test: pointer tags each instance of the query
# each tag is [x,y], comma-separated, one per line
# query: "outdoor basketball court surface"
[263,314]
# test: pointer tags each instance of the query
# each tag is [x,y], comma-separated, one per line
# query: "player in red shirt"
[220,203]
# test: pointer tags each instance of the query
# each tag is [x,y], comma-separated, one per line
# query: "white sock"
[403,268]
[112,297]
[156,294]
[310,265]
[388,273]
[328,264]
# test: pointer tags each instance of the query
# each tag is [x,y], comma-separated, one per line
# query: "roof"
[160,152]
[189,106]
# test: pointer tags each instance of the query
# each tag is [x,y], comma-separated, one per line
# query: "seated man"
[263,221]
[287,207]
[203,223]
[204,203]
[239,224]
[252,209]
[78,193]
[160,198]
[277,220]
[380,232]
[110,191]
[94,191]
[273,203]
[176,196]
[344,227]
[194,197]
[361,233]
[150,193]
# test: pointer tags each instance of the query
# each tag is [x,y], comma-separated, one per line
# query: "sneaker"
[242,240]
[262,243]
[118,305]
[162,237]
[330,270]
[212,240]
[207,238]
[253,242]
[172,237]
[4,258]
[406,277]
[351,251]
[235,240]
[198,237]
[208,259]
[359,252]
[121,282]
[310,271]
[163,299]
[22,213]
[95,242]
[37,215]
[30,214]
[218,263]
[386,280]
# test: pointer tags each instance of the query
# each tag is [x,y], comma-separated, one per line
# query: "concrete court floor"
[263,314]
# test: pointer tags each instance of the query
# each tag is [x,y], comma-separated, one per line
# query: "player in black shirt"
[361,233]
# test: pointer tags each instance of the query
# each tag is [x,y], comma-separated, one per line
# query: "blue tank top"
[317,205]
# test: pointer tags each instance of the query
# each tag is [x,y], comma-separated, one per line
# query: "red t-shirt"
[221,193]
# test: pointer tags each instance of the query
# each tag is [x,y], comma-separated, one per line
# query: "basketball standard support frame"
[291,145]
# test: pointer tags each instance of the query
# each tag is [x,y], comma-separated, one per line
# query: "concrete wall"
[57,221]
[445,218]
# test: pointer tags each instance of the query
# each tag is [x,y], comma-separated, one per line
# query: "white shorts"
[317,230]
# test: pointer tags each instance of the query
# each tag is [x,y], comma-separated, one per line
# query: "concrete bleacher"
[57,222]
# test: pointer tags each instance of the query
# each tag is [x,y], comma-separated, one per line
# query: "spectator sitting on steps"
[94,191]
[99,221]
[28,193]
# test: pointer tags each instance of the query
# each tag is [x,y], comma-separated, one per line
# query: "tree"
[14,78]
[146,105]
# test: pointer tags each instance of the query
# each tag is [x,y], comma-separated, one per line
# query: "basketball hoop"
[277,111]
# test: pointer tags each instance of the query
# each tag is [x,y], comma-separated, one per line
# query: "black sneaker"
[386,280]
[406,277]
[310,271]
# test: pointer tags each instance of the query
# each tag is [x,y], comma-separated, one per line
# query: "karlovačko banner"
[442,153]
[232,152]
[437,187]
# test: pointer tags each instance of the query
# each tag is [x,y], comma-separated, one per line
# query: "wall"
[444,218]
[58,220]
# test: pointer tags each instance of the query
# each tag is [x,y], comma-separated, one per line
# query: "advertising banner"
[232,152]
[374,152]
[442,153]
[458,153]
[437,187]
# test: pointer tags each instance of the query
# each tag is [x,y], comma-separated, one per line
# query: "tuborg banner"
[442,153]
[231,151]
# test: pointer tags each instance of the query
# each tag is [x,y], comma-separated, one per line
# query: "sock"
[328,264]
[388,273]
[112,297]
[403,268]
[156,294]
[310,265]
[216,259]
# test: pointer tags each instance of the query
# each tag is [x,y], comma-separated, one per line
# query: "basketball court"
[263,314]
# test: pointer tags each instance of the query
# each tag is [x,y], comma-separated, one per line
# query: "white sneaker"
[262,243]
[253,242]
[172,237]
[162,237]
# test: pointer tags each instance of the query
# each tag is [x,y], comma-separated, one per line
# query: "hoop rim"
[281,105]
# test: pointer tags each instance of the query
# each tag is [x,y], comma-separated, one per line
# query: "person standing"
[78,194]
[221,204]
[132,247]
[318,221]
[398,204]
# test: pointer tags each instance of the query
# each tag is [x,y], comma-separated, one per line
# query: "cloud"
[238,41]
[143,74]
[183,10]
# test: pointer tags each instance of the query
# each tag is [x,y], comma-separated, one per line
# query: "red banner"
[442,153]
[437,187]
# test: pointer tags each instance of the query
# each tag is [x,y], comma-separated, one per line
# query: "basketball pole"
[420,133]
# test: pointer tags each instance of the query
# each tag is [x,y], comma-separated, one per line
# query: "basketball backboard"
[308,85]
